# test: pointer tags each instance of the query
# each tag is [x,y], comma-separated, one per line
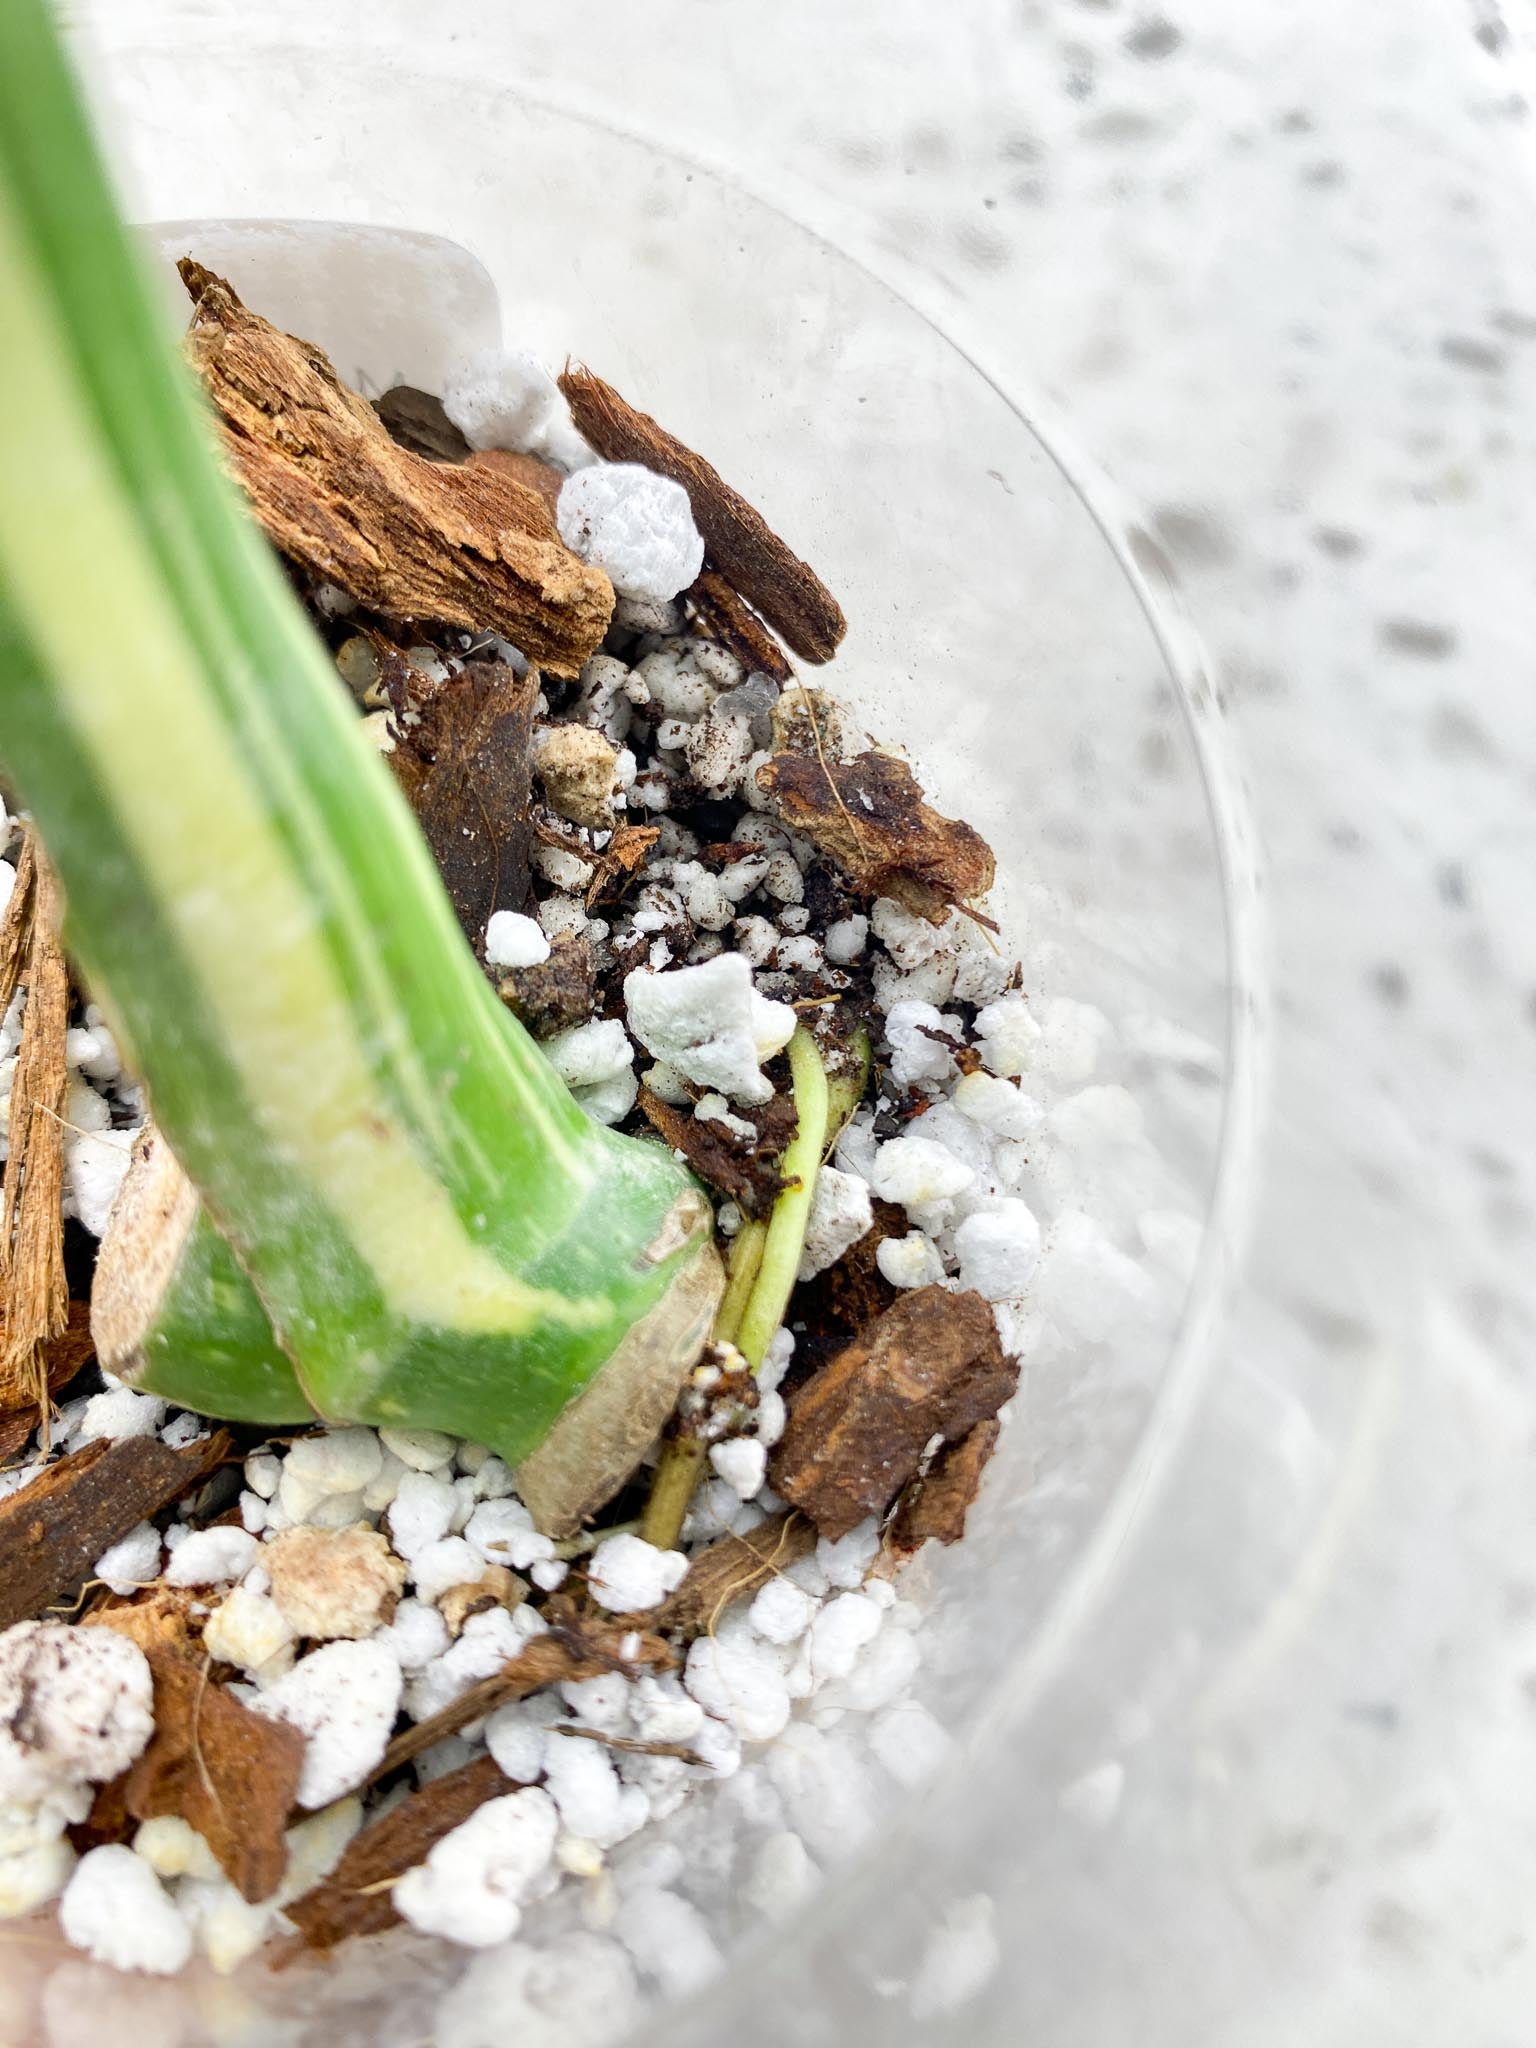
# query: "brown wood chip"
[721,613]
[837,1304]
[936,1504]
[560,992]
[523,469]
[355,1898]
[59,1359]
[742,546]
[231,1774]
[730,1570]
[620,861]
[15,1429]
[416,421]
[746,1170]
[578,1645]
[868,816]
[464,770]
[930,1366]
[34,1293]
[53,1531]
[459,544]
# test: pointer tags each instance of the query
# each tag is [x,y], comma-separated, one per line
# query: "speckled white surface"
[1272,260]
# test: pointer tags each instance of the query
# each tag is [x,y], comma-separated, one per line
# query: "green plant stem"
[764,1264]
[415,1208]
[785,1240]
[742,1267]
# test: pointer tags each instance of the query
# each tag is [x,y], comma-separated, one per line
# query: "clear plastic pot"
[1010,628]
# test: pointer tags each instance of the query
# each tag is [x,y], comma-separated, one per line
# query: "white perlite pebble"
[908,1742]
[424,1450]
[344,1698]
[450,1562]
[417,1635]
[634,524]
[846,939]
[117,1910]
[133,1561]
[847,1560]
[262,1473]
[420,1513]
[505,398]
[710,1025]
[840,1216]
[340,1462]
[473,1883]
[781,1612]
[584,1784]
[839,1632]
[782,1875]
[998,1249]
[254,1512]
[30,1877]
[173,1849]
[512,940]
[627,1574]
[742,1462]
[922,1177]
[515,1738]
[1098,1117]
[75,1706]
[669,1940]
[601,1702]
[1008,1035]
[94,1165]
[997,1105]
[248,1629]
[738,1680]
[211,1557]
[959,1957]
[596,1062]
[502,1532]
[910,1261]
[487,1642]
[918,1057]
[118,1414]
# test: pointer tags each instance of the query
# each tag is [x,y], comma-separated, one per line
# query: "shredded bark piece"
[416,421]
[231,1774]
[15,1429]
[620,861]
[851,1293]
[53,1531]
[868,816]
[721,613]
[355,1898]
[578,1645]
[741,544]
[34,1292]
[729,1570]
[161,1618]
[857,1430]
[464,770]
[935,1504]
[632,1745]
[745,1169]
[60,1358]
[523,469]
[557,994]
[462,544]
